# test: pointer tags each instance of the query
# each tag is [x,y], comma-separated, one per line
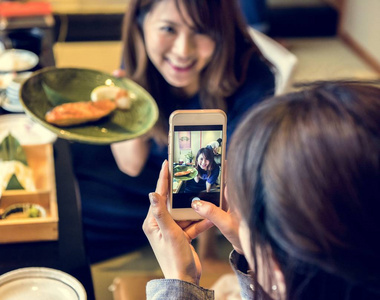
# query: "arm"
[211,180]
[208,186]
[131,156]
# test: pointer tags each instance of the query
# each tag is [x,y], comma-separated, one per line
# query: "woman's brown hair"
[222,21]
[309,188]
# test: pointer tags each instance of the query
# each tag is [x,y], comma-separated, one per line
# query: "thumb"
[160,212]
[212,214]
[209,211]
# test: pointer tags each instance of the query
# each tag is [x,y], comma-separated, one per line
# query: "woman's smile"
[181,67]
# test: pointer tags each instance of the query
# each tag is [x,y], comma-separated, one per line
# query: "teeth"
[183,66]
[179,65]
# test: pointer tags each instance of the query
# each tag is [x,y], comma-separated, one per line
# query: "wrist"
[183,277]
[189,279]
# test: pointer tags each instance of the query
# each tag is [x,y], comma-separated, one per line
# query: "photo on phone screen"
[197,164]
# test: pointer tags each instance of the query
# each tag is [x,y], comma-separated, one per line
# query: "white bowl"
[12,92]
[40,284]
[18,80]
[13,97]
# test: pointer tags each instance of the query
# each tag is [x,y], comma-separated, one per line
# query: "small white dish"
[40,283]
[25,130]
[16,60]
[19,79]
[8,106]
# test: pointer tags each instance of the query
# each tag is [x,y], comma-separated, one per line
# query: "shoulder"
[259,84]
[216,170]
[259,80]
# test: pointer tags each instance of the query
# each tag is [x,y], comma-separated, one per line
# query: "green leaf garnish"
[14,184]
[54,97]
[10,149]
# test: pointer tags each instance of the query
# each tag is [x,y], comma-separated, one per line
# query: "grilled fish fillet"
[75,113]
[183,173]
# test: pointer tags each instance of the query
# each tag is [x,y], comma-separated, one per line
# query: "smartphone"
[197,140]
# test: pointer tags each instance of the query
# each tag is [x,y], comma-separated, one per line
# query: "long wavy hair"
[309,188]
[226,71]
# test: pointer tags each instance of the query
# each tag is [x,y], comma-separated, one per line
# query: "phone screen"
[197,164]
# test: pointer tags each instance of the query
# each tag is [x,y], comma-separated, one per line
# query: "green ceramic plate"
[190,176]
[58,85]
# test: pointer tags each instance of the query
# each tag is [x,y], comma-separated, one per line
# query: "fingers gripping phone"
[197,140]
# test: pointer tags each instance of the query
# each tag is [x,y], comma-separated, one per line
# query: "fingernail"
[196,203]
[164,162]
[153,200]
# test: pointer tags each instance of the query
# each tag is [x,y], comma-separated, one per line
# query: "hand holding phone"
[197,141]
[172,247]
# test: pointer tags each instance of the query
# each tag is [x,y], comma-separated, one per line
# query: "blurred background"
[331,39]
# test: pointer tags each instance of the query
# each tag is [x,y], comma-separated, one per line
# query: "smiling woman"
[188,54]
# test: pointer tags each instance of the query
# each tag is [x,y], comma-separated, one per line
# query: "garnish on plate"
[122,97]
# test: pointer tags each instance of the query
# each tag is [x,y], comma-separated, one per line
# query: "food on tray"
[23,176]
[15,174]
[22,211]
[75,113]
[182,173]
[122,97]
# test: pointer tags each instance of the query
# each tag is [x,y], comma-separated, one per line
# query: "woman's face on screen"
[203,163]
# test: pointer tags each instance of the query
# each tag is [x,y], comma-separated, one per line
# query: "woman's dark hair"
[222,21]
[209,155]
[309,188]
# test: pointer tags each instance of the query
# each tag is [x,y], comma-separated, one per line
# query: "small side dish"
[50,87]
[22,211]
[15,173]
[104,100]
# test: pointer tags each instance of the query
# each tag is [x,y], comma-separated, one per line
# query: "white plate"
[8,106]
[41,284]
[26,131]
[16,60]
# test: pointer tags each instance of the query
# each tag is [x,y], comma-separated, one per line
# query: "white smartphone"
[197,140]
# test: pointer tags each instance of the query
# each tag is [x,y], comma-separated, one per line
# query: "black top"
[114,205]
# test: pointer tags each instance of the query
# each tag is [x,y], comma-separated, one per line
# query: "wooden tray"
[41,161]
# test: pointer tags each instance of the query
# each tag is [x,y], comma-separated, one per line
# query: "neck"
[186,92]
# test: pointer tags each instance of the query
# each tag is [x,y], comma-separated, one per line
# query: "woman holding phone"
[303,188]
[188,54]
